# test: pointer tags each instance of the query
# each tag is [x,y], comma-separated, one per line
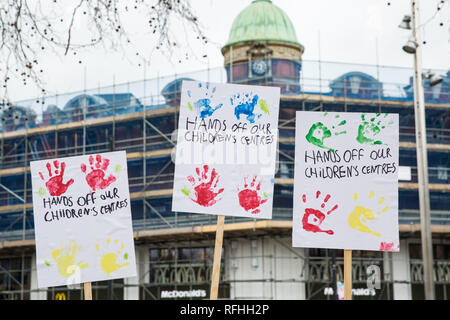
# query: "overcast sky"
[349,31]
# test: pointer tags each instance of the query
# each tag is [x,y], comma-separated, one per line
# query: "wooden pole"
[87,291]
[215,277]
[347,274]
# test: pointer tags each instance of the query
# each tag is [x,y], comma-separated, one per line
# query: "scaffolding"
[141,117]
[169,268]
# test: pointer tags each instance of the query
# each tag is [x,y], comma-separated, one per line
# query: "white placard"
[346,181]
[82,219]
[226,149]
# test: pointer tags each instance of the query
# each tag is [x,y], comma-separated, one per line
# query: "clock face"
[259,67]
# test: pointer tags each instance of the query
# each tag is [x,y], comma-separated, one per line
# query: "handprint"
[319,132]
[250,197]
[245,104]
[313,218]
[205,190]
[204,109]
[65,259]
[360,215]
[55,185]
[96,178]
[388,246]
[203,106]
[108,260]
[368,130]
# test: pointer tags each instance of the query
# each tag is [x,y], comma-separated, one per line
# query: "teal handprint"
[369,129]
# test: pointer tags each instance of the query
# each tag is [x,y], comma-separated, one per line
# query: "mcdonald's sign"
[60,296]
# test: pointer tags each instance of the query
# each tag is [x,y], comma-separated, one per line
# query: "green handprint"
[369,129]
[319,132]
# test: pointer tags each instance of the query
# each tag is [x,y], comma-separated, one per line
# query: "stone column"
[402,272]
[36,294]
[131,289]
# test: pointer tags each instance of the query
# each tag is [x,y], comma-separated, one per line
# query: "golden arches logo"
[60,296]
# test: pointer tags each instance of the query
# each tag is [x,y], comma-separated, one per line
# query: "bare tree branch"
[29,28]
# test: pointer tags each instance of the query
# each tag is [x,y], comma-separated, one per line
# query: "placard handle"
[87,291]
[347,274]
[215,277]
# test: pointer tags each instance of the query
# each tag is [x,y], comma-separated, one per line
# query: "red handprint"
[205,191]
[249,197]
[55,185]
[96,178]
[313,218]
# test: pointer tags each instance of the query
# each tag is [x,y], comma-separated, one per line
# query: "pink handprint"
[205,191]
[96,178]
[250,198]
[388,246]
[55,185]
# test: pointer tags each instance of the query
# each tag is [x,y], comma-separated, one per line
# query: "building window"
[286,69]
[441,268]
[15,278]
[182,273]
[101,290]
[320,276]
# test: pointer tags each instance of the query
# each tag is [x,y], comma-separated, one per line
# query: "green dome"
[262,21]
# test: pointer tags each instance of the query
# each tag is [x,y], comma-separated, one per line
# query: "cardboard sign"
[346,181]
[82,219]
[226,149]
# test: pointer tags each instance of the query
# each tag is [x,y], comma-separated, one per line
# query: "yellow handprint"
[65,259]
[360,215]
[108,261]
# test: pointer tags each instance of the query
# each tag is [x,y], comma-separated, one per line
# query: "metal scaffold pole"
[144,149]
[422,161]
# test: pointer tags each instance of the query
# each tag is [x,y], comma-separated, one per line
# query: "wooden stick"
[87,291]
[347,274]
[215,277]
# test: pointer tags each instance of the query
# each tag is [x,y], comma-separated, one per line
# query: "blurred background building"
[174,249]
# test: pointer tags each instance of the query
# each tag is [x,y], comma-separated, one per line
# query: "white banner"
[346,181]
[82,219]
[226,149]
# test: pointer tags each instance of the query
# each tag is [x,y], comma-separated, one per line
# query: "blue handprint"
[203,106]
[246,105]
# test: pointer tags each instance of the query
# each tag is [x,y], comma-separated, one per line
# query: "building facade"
[174,250]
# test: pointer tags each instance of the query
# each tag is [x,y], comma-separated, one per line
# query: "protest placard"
[226,154]
[82,218]
[346,184]
[226,149]
[346,181]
